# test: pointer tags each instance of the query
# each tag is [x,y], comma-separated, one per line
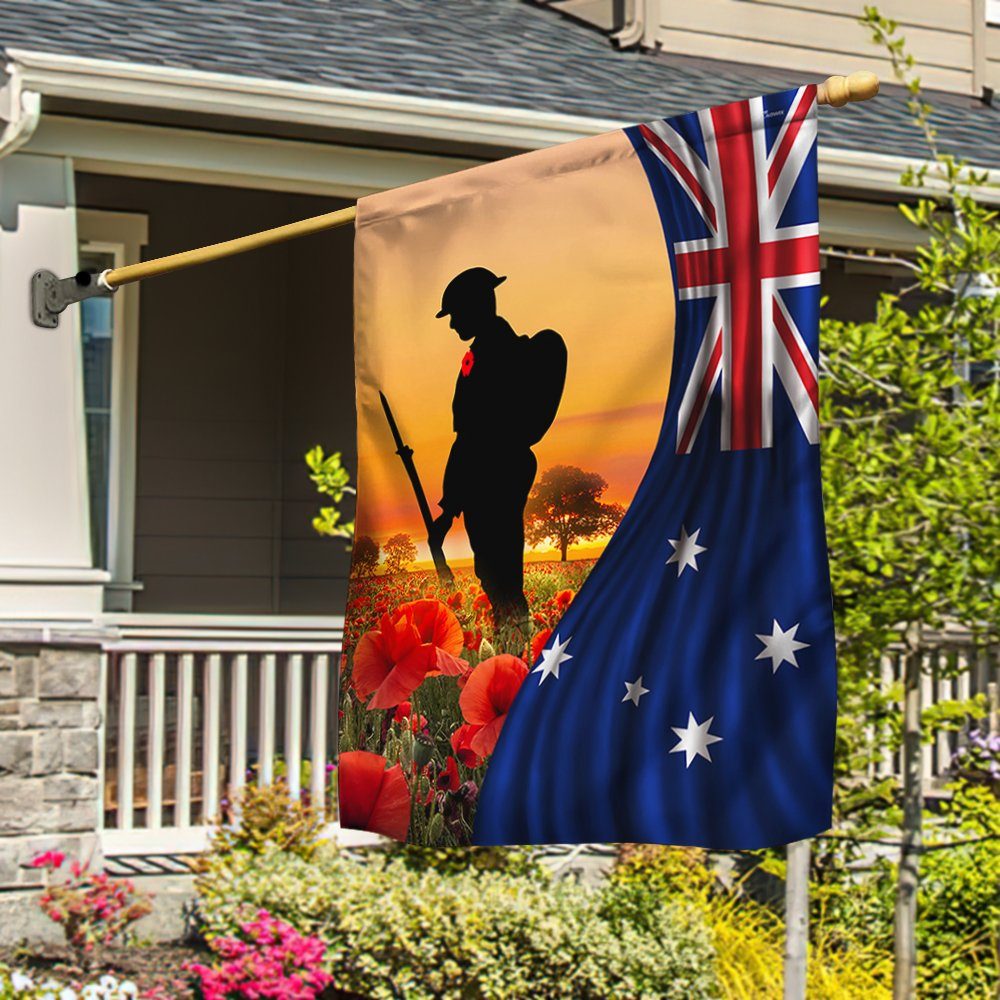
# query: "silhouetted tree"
[565,507]
[366,553]
[399,553]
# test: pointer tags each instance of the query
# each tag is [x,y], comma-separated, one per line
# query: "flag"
[590,598]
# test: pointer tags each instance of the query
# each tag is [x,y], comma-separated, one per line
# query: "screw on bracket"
[50,295]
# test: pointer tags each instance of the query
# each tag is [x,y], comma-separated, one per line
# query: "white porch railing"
[196,705]
[953,668]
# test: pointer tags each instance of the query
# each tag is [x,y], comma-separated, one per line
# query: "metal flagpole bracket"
[50,295]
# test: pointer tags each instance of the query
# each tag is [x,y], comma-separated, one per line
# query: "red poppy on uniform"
[467,362]
[371,797]
[487,697]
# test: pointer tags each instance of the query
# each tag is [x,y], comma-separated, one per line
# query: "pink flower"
[47,859]
[274,960]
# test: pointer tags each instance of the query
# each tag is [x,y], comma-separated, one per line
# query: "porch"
[197,705]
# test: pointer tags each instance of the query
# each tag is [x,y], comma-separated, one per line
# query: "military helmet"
[469,286]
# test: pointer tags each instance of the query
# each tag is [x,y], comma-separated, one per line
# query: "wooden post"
[796,919]
[993,699]
[904,979]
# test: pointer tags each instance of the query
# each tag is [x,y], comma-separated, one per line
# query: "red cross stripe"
[740,189]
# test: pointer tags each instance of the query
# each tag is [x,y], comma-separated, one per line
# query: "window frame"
[122,235]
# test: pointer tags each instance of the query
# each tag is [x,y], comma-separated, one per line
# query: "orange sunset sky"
[575,230]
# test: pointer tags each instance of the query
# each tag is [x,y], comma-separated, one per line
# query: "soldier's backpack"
[545,377]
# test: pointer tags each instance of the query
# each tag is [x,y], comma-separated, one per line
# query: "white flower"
[67,994]
[108,982]
[128,989]
[19,982]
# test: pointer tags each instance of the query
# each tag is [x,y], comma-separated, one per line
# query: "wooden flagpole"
[836,91]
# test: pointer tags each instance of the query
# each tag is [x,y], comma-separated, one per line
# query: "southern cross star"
[780,646]
[551,658]
[634,691]
[686,550]
[694,739]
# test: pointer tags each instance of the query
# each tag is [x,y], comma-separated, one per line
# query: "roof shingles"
[507,53]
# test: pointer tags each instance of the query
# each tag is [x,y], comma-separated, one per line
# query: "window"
[97,336]
[109,347]
[993,12]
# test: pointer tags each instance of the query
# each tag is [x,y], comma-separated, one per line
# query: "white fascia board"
[382,114]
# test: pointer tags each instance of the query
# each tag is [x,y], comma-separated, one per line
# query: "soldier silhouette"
[506,396]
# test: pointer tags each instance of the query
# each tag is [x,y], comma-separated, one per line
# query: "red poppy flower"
[404,712]
[455,600]
[461,743]
[448,779]
[481,601]
[487,697]
[564,598]
[467,362]
[371,797]
[418,639]
[538,643]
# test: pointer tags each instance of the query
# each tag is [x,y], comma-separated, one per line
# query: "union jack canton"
[740,178]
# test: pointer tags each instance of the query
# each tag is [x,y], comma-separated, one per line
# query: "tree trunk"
[796,920]
[563,548]
[904,979]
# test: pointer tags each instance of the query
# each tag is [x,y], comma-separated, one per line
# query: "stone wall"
[49,740]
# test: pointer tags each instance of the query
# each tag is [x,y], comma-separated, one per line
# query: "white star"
[695,739]
[686,549]
[635,691]
[551,658]
[780,646]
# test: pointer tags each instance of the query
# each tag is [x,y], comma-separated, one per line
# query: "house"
[168,619]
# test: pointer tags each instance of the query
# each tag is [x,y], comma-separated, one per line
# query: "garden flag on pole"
[589,598]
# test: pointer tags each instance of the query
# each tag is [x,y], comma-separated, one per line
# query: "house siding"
[824,37]
[991,76]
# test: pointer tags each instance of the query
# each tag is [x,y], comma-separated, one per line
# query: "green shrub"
[392,931]
[267,817]
[958,924]
[748,937]
[450,860]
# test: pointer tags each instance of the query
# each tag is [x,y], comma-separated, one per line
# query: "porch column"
[45,561]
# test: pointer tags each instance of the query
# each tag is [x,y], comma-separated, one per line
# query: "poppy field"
[426,685]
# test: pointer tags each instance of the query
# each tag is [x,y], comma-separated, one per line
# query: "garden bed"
[156,969]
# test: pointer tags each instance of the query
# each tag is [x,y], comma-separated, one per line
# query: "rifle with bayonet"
[405,453]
